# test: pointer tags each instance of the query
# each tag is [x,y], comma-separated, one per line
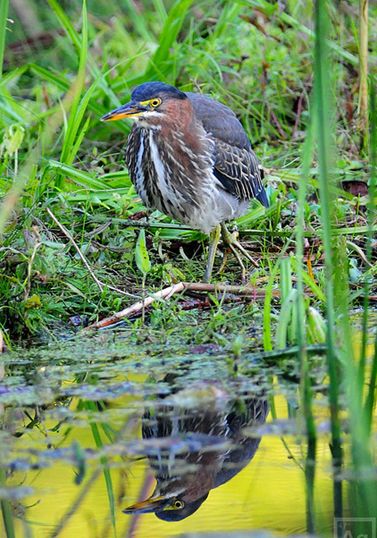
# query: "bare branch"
[166,293]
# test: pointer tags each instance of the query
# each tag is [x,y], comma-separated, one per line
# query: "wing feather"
[239,172]
[236,165]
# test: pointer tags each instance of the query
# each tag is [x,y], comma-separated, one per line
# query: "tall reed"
[305,385]
[341,362]
[323,128]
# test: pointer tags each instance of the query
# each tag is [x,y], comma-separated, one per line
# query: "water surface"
[92,426]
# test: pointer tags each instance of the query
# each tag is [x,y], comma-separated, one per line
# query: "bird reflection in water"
[195,442]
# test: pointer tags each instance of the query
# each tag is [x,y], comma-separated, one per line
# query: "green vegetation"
[75,241]
[57,155]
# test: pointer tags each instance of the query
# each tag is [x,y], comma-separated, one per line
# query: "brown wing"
[236,165]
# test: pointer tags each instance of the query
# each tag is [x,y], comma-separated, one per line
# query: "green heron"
[195,442]
[189,157]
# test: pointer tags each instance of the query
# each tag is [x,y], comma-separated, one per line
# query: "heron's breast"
[176,177]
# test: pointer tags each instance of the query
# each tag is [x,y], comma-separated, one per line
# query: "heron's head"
[169,506]
[152,102]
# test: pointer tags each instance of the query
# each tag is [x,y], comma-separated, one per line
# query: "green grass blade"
[370,400]
[77,111]
[92,407]
[66,23]
[371,217]
[7,519]
[168,36]
[106,473]
[6,511]
[78,176]
[285,318]
[75,131]
[322,93]
[308,280]
[363,496]
[285,278]
[79,138]
[4,7]
[267,306]
[138,23]
[306,394]
[60,81]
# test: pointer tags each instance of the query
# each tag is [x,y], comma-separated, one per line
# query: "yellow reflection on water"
[269,493]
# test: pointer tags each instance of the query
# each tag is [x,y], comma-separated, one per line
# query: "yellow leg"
[214,239]
[231,240]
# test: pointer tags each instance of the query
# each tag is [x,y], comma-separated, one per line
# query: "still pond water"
[213,438]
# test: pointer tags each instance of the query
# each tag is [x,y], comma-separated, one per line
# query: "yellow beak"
[130,110]
[149,505]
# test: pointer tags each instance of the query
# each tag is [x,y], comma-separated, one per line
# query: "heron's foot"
[214,239]
[231,240]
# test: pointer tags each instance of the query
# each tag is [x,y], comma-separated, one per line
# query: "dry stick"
[100,284]
[166,293]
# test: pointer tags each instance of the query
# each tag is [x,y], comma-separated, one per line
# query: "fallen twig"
[180,287]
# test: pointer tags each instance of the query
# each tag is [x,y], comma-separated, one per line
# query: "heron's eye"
[155,102]
[178,505]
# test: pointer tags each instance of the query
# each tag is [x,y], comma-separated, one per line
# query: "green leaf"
[141,254]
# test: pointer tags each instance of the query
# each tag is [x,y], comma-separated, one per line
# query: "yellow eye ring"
[155,102]
[178,505]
